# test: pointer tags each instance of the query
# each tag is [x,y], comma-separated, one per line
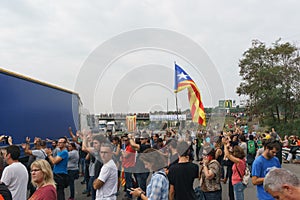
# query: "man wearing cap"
[141,173]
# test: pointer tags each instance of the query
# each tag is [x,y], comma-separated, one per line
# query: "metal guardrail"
[138,117]
[286,151]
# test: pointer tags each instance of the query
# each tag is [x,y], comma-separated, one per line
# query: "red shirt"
[129,161]
[46,192]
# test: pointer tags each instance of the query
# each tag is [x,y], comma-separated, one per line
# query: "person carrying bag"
[238,157]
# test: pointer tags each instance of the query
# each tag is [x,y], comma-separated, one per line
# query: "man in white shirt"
[15,175]
[107,182]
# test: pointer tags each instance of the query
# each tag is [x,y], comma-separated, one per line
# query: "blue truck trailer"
[32,108]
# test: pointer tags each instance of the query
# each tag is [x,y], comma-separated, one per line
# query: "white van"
[110,126]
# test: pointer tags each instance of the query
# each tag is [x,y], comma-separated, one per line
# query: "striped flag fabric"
[131,123]
[122,180]
[183,81]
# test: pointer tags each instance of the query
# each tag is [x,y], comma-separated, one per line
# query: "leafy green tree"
[270,78]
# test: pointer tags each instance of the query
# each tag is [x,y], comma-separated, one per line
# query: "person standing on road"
[95,160]
[262,165]
[128,162]
[251,151]
[42,178]
[158,187]
[198,142]
[106,185]
[238,169]
[15,175]
[210,175]
[182,175]
[282,184]
[73,168]
[141,173]
[35,154]
[60,168]
[173,154]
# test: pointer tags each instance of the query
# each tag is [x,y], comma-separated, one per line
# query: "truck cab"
[102,125]
[111,127]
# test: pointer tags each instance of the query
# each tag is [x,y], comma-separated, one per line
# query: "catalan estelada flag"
[182,81]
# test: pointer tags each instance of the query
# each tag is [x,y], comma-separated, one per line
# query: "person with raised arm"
[238,169]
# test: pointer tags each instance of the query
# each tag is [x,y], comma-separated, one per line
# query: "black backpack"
[4,192]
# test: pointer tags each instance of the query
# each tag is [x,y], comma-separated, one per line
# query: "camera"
[5,139]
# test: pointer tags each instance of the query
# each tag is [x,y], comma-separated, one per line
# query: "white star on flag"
[182,75]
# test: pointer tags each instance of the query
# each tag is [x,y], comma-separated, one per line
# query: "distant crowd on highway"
[150,165]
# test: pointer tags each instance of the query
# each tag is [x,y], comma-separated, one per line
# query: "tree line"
[271,81]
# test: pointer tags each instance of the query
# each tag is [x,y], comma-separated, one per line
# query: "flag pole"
[167,114]
[179,130]
[178,122]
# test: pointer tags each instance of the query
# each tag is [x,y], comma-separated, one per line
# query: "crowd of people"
[146,165]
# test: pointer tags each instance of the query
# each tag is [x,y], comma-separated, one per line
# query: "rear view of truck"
[36,109]
[102,126]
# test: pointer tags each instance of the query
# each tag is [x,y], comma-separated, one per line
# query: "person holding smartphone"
[210,175]
[158,187]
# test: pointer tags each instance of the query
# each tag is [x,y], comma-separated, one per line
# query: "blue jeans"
[82,164]
[141,179]
[239,191]
[129,183]
[91,188]
[72,174]
[216,195]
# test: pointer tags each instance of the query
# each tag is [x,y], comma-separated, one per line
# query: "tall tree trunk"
[278,114]
[272,115]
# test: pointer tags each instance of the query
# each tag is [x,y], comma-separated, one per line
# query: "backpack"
[4,192]
[251,147]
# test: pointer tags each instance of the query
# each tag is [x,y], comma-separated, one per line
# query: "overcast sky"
[119,55]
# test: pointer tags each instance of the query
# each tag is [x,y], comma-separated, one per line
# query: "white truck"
[111,126]
[102,125]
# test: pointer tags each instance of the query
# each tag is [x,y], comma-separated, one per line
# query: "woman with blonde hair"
[42,179]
